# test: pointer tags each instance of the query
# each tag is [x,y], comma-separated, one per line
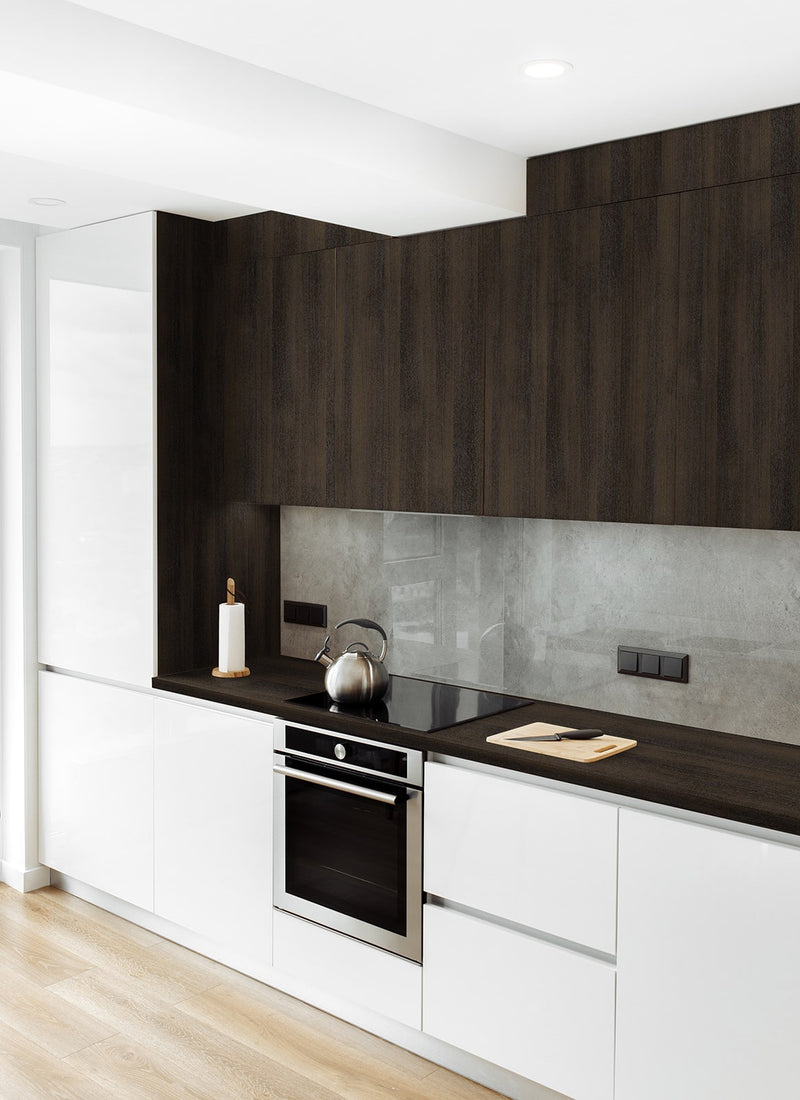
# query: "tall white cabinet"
[96,397]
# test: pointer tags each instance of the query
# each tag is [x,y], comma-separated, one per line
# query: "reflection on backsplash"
[538,607]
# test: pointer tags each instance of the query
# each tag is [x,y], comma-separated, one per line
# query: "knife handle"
[580,735]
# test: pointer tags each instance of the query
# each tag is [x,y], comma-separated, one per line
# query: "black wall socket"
[306,614]
[655,663]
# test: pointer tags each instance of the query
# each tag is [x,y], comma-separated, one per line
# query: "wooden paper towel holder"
[239,672]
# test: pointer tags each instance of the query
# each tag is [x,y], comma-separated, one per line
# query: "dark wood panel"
[367,361]
[183,250]
[435,427]
[256,237]
[238,326]
[708,154]
[738,446]
[241,334]
[516,378]
[299,385]
[580,366]
[202,539]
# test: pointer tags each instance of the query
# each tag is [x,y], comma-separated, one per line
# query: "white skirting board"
[24,879]
[442,1054]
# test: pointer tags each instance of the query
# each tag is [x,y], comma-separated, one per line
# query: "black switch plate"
[656,664]
[306,614]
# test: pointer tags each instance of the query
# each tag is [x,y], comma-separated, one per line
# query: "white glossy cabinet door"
[96,459]
[709,964]
[539,858]
[213,826]
[537,1009]
[96,785]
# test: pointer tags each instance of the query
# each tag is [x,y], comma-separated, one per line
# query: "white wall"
[19,864]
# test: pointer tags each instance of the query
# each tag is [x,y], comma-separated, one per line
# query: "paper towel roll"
[231,637]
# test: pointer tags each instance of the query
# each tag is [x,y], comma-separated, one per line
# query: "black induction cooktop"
[422,705]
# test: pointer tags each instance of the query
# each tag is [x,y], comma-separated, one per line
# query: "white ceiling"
[396,118]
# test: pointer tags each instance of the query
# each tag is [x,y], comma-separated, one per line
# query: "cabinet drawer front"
[539,858]
[538,1010]
[333,965]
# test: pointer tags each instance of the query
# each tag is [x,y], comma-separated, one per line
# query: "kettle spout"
[322,656]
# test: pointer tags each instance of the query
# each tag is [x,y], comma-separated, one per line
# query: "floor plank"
[38,1014]
[29,1072]
[124,1067]
[34,955]
[230,1068]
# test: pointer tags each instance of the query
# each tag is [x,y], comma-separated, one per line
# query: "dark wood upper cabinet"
[628,361]
[298,386]
[738,443]
[367,358]
[435,398]
[580,365]
[240,338]
[409,405]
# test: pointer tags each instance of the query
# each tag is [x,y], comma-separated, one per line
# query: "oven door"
[348,853]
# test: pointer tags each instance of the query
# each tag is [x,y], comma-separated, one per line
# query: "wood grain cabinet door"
[580,365]
[367,359]
[299,397]
[435,400]
[738,424]
[410,318]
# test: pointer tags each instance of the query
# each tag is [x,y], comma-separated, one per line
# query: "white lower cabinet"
[537,1009]
[525,978]
[96,785]
[709,964]
[213,826]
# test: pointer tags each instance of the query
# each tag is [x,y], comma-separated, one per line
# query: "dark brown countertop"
[744,779]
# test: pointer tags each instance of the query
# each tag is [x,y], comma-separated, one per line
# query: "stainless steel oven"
[348,835]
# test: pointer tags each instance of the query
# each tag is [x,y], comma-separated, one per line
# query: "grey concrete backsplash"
[538,607]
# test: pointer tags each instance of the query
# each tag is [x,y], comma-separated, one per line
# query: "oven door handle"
[336,784]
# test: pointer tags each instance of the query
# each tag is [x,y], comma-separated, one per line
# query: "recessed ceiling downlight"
[546,68]
[44,200]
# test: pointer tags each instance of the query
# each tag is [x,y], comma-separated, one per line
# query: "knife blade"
[567,735]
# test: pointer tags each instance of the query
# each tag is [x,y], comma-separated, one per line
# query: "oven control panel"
[353,752]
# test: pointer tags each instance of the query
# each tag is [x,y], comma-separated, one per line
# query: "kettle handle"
[368,624]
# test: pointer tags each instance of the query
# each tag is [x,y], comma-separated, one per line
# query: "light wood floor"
[92,1007]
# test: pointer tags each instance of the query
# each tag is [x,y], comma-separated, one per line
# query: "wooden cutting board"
[584,752]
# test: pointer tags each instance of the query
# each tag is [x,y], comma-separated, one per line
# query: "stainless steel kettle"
[357,677]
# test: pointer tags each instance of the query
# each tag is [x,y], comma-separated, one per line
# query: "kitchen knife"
[567,735]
